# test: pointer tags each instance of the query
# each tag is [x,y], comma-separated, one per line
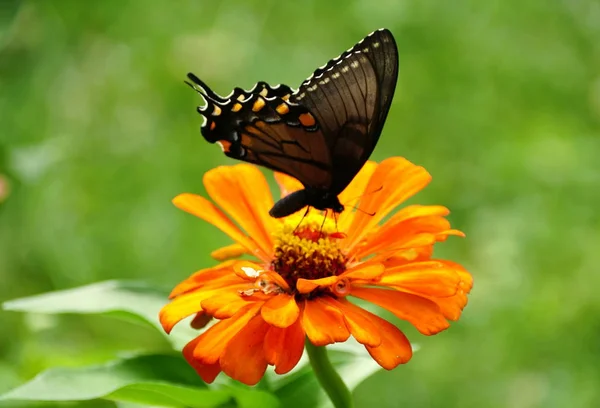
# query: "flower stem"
[329,379]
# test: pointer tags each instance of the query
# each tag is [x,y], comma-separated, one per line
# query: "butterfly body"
[321,134]
[317,198]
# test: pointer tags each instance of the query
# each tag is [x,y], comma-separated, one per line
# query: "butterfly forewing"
[350,96]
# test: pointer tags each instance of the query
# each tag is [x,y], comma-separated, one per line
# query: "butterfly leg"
[302,219]
[323,224]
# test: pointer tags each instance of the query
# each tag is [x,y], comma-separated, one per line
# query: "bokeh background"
[500,101]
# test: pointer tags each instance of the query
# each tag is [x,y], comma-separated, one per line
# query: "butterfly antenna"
[363,211]
[361,196]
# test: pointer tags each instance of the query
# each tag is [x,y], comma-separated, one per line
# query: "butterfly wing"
[261,126]
[321,134]
[351,96]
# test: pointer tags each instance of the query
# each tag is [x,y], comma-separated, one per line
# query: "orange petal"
[186,305]
[247,270]
[224,305]
[243,358]
[394,349]
[428,278]
[208,372]
[204,209]
[284,347]
[243,192]
[398,179]
[281,310]
[212,342]
[323,323]
[422,313]
[403,257]
[404,243]
[287,184]
[452,306]
[275,279]
[352,195]
[228,252]
[308,285]
[407,222]
[364,272]
[221,273]
[358,322]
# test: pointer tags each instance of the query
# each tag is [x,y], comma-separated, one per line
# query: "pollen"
[307,248]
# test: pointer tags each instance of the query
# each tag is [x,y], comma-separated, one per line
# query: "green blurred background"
[500,101]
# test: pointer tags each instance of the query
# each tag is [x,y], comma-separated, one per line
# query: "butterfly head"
[323,200]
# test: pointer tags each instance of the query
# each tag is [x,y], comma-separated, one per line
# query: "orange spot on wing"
[282,109]
[258,105]
[286,97]
[236,107]
[213,125]
[225,145]
[307,119]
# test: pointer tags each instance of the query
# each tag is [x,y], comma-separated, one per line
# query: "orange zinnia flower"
[307,269]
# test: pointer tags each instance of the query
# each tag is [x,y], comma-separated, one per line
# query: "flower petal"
[204,209]
[397,179]
[308,285]
[408,222]
[212,342]
[287,184]
[243,358]
[228,252]
[242,191]
[220,274]
[452,306]
[208,372]
[247,270]
[428,278]
[394,349]
[281,310]
[187,304]
[354,192]
[284,347]
[364,272]
[422,313]
[358,322]
[224,305]
[323,323]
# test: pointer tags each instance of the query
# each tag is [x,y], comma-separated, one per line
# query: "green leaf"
[159,380]
[130,300]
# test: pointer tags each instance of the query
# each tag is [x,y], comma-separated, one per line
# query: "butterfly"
[321,134]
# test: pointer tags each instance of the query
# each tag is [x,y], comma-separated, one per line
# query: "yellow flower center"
[307,248]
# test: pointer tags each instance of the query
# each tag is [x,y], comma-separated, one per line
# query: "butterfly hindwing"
[262,127]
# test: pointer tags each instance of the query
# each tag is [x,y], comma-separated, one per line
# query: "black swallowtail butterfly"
[321,134]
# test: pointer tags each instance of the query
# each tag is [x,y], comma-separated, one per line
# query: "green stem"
[329,379]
